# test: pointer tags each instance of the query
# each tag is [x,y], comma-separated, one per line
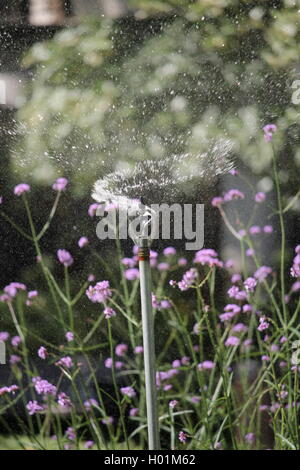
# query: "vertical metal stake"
[149,346]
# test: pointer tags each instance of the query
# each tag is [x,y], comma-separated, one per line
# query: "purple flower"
[133,411]
[32,294]
[108,363]
[16,341]
[169,251]
[109,312]
[131,274]
[235,293]
[239,327]
[262,273]
[182,437]
[249,252]
[65,258]
[206,365]
[260,197]
[4,336]
[108,420]
[83,241]
[195,399]
[100,292]
[268,229]
[12,289]
[14,359]
[89,444]
[164,304]
[269,130]
[295,287]
[69,336]
[89,404]
[64,401]
[188,279]
[254,230]
[217,201]
[176,363]
[163,267]
[236,278]
[233,194]
[121,349]
[182,262]
[232,341]
[138,349]
[128,262]
[21,189]
[263,324]
[42,352]
[60,184]
[43,387]
[128,392]
[33,407]
[207,257]
[12,389]
[173,403]
[249,438]
[265,358]
[65,362]
[247,308]
[295,269]
[185,360]
[70,434]
[92,210]
[250,284]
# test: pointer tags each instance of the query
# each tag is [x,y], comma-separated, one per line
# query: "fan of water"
[166,180]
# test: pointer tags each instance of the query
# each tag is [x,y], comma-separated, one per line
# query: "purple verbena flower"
[33,407]
[131,274]
[16,341]
[89,444]
[250,284]
[232,341]
[128,392]
[65,257]
[173,403]
[262,273]
[83,241]
[269,130]
[42,353]
[233,194]
[260,197]
[109,313]
[217,201]
[60,184]
[43,387]
[64,401]
[65,362]
[206,365]
[182,437]
[69,336]
[100,292]
[21,189]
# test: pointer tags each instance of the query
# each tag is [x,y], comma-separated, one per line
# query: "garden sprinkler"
[160,181]
[142,242]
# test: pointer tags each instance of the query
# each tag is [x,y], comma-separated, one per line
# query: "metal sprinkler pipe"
[149,345]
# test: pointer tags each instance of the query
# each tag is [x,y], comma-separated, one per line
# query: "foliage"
[227,373]
[106,92]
